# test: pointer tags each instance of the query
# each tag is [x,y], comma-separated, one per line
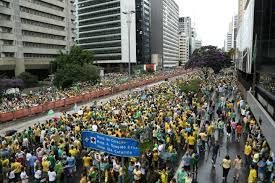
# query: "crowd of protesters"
[170,121]
[31,98]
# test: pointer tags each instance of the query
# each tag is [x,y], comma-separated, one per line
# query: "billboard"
[244,45]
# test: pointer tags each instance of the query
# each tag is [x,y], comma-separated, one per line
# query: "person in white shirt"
[52,176]
[37,175]
[24,177]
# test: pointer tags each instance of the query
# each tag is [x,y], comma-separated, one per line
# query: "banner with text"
[124,147]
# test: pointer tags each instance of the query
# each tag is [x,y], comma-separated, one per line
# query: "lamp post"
[129,22]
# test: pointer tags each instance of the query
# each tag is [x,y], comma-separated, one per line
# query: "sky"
[211,18]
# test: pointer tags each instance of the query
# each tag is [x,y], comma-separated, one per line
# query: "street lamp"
[129,21]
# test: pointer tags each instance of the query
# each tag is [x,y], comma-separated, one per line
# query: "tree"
[76,56]
[28,79]
[209,57]
[71,74]
[75,66]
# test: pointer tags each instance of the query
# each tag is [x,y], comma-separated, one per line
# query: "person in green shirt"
[59,169]
[181,176]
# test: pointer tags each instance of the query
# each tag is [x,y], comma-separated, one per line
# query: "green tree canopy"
[76,56]
[209,57]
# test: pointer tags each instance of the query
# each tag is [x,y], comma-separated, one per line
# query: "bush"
[71,74]
[28,79]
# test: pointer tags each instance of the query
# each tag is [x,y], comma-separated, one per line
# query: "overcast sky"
[210,17]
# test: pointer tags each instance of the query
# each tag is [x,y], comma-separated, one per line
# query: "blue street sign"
[124,147]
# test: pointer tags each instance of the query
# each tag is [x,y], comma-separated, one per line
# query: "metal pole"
[129,42]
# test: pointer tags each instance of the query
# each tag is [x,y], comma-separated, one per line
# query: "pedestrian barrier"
[21,113]
[36,110]
[48,106]
[8,116]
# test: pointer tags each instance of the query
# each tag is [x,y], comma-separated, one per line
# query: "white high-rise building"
[228,41]
[102,28]
[165,33]
[185,25]
[32,32]
[183,48]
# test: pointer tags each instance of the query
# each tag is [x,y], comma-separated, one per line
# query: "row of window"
[107,45]
[117,50]
[48,5]
[90,3]
[36,55]
[41,24]
[4,17]
[102,39]
[5,29]
[8,42]
[100,20]
[39,13]
[98,8]
[99,33]
[42,35]
[8,54]
[106,26]
[99,14]
[115,57]
[41,45]
[4,4]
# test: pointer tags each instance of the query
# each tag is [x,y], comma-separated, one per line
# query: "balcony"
[8,48]
[7,63]
[6,10]
[40,50]
[6,23]
[43,30]
[43,40]
[42,19]
[6,36]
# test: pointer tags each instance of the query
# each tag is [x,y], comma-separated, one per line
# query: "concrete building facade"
[32,32]
[183,48]
[165,33]
[185,25]
[102,28]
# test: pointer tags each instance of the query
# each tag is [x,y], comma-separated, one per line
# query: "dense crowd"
[168,120]
[22,100]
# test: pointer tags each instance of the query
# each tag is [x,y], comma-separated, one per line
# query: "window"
[34,55]
[117,57]
[99,14]
[8,42]
[98,8]
[5,29]
[102,39]
[106,26]
[4,17]
[95,2]
[101,20]
[99,33]
[106,45]
[8,54]
[4,4]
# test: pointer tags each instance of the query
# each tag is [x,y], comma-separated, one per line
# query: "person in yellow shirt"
[87,161]
[247,153]
[163,176]
[73,151]
[252,177]
[191,142]
[16,166]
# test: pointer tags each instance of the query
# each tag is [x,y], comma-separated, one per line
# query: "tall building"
[183,48]
[256,63]
[32,32]
[228,41]
[143,31]
[165,33]
[185,25]
[241,10]
[198,44]
[103,28]
[234,31]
